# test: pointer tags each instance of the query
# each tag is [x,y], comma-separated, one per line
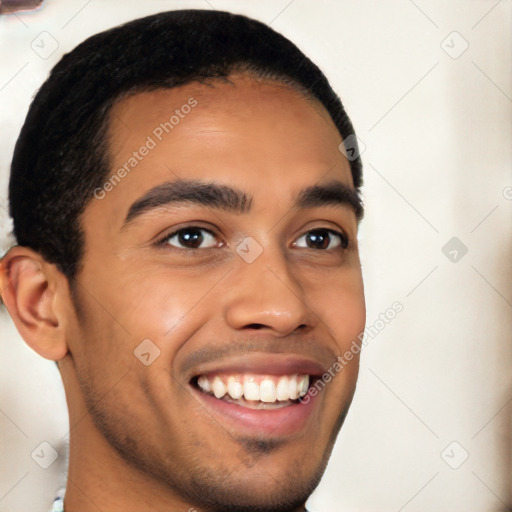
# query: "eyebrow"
[333,193]
[224,197]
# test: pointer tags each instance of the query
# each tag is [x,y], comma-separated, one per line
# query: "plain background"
[428,87]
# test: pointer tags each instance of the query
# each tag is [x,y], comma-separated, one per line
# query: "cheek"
[161,302]
[340,304]
[102,347]
[146,299]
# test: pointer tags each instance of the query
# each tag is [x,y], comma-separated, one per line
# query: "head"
[187,252]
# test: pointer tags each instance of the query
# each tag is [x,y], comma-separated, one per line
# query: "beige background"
[435,118]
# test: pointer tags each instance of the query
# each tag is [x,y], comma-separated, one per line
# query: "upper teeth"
[269,388]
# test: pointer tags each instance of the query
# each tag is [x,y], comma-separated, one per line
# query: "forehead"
[238,96]
[243,113]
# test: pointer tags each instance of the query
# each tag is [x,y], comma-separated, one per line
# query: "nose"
[266,294]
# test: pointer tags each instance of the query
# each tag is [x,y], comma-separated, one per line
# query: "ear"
[36,295]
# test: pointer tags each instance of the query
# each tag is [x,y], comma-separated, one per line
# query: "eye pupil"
[318,239]
[190,238]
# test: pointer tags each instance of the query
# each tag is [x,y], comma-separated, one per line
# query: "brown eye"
[322,239]
[191,238]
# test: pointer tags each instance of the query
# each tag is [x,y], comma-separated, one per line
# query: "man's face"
[238,294]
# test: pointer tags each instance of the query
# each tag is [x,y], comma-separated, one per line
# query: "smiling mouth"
[255,391]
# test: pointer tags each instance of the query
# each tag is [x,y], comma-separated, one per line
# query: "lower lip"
[271,422]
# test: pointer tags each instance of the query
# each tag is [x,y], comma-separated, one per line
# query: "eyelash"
[344,240]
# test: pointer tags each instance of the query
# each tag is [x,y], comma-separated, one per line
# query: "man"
[187,252]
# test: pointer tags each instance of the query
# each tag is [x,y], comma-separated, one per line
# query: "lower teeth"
[253,404]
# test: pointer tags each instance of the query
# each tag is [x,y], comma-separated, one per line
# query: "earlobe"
[30,290]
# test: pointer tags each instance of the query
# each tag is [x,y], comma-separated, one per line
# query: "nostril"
[255,326]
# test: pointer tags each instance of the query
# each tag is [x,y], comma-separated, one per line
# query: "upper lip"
[262,364]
